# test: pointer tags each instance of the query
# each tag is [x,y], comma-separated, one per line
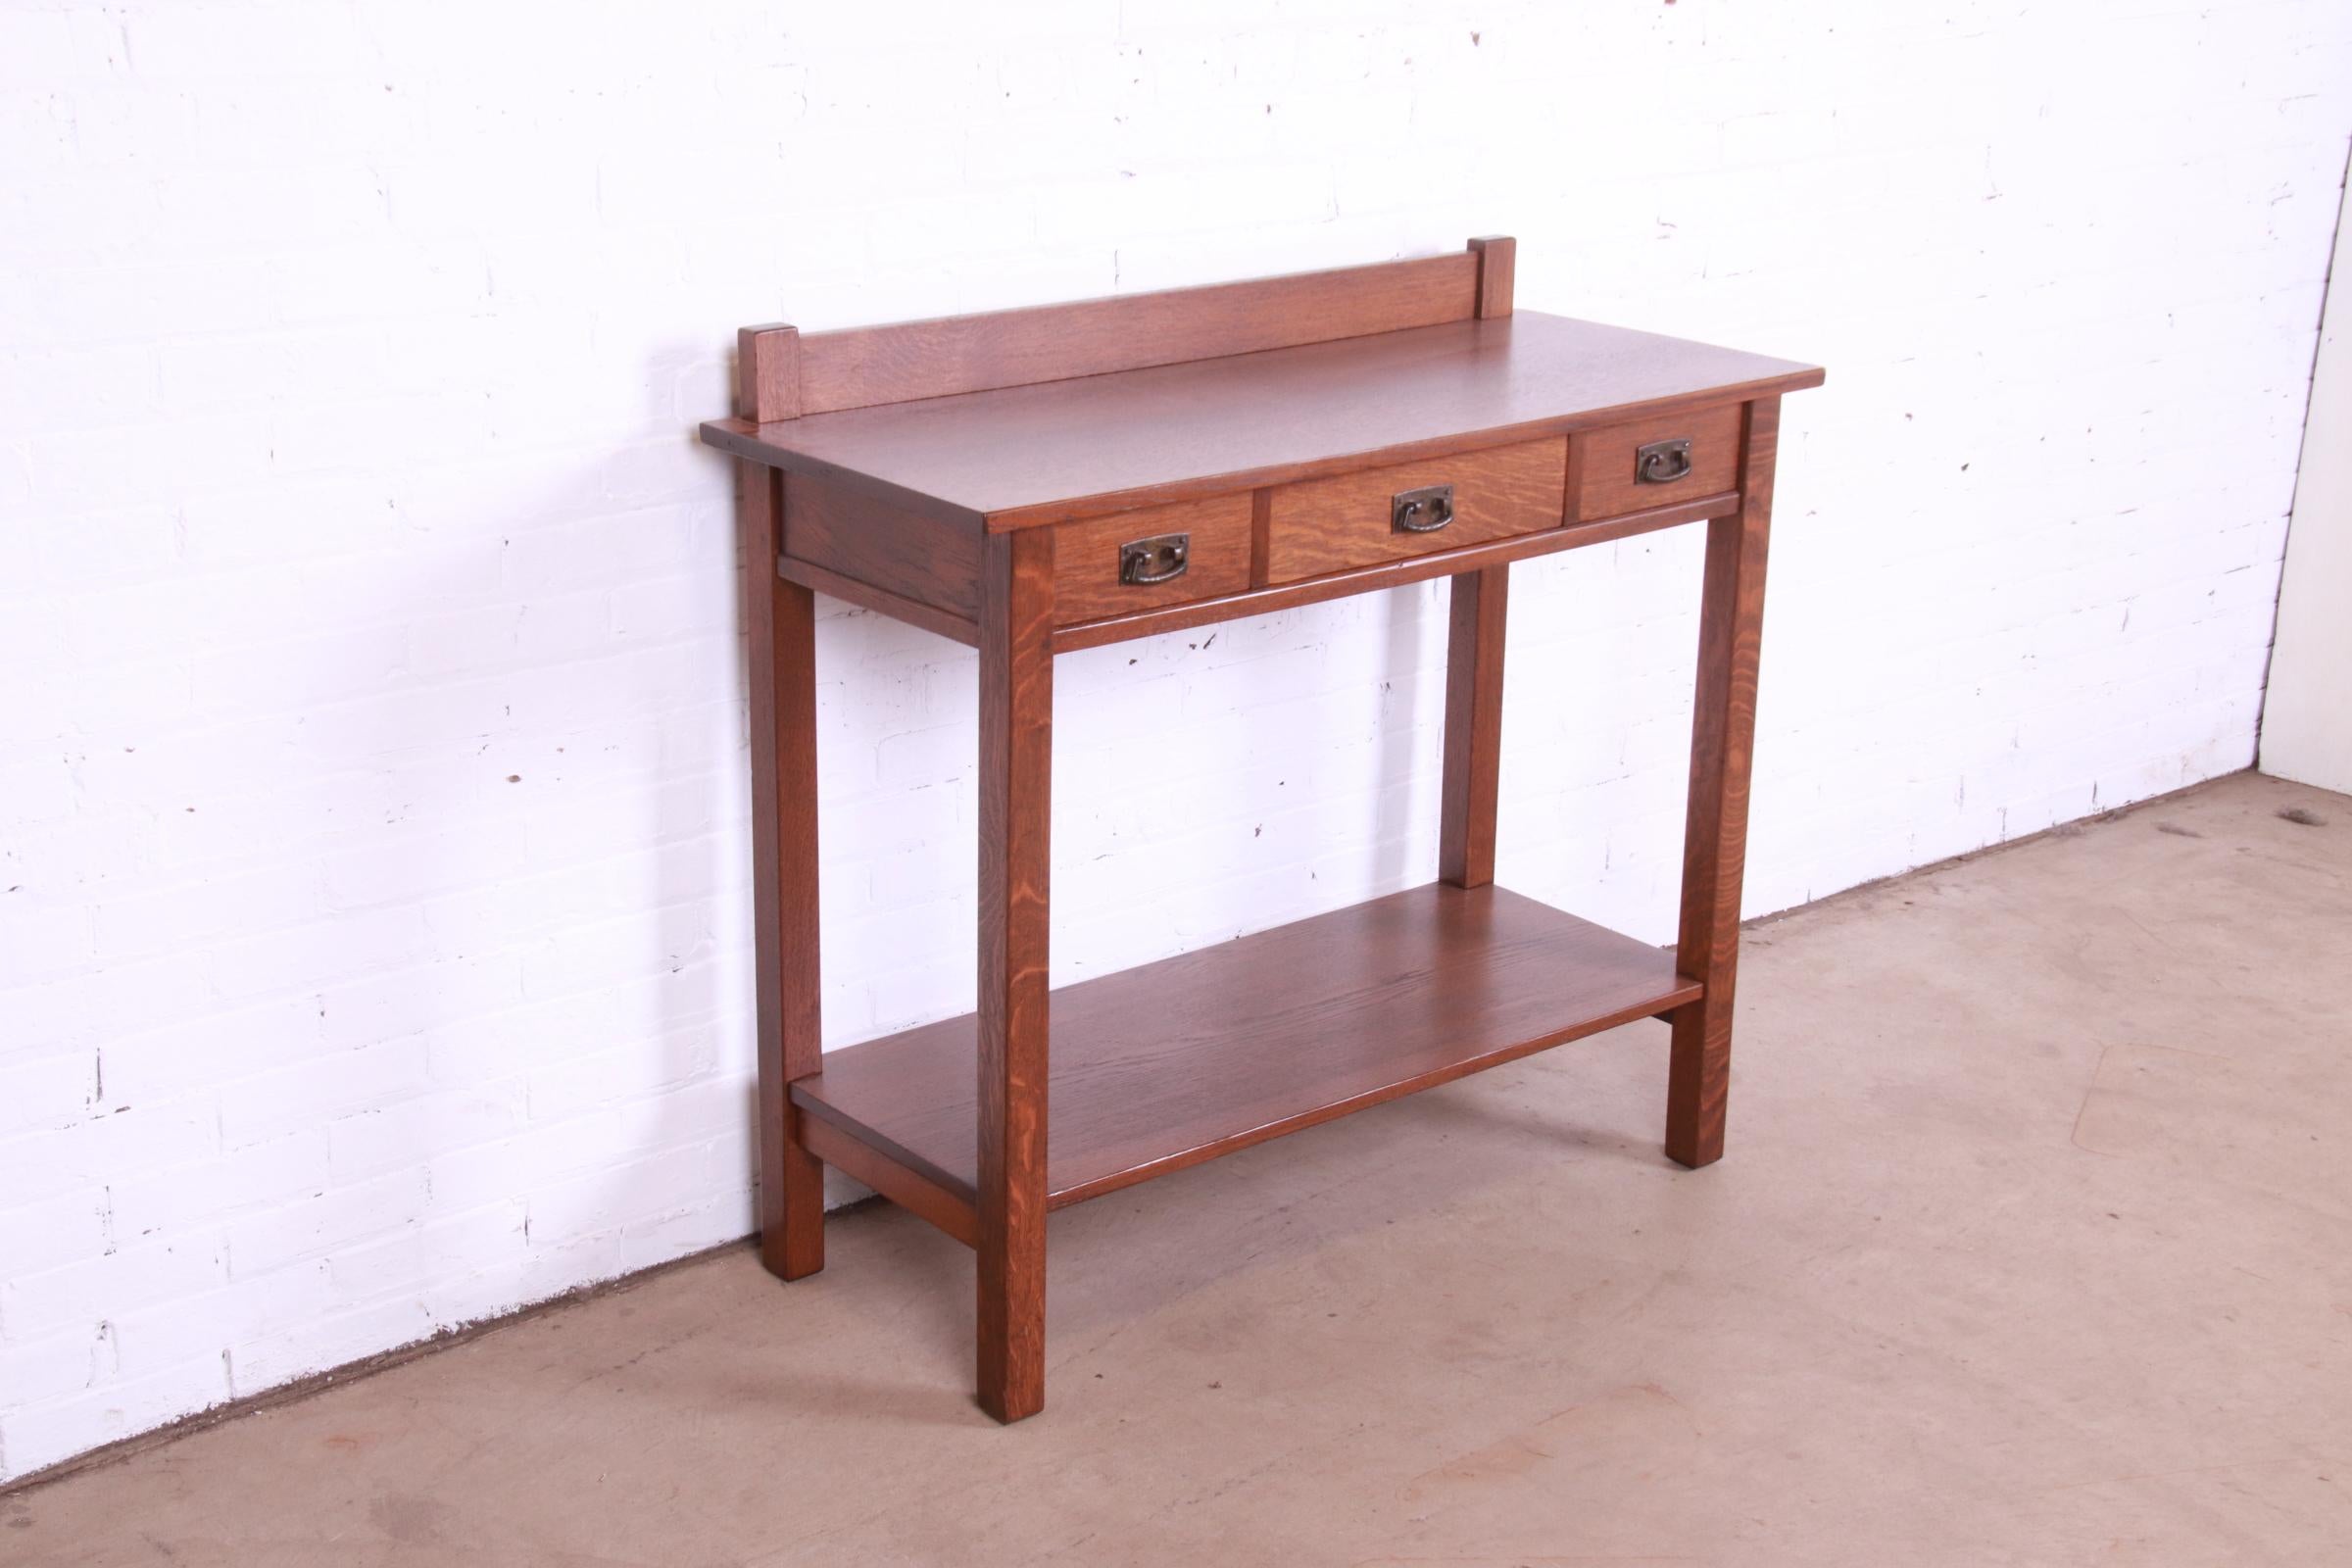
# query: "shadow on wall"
[627,1037]
[636,1022]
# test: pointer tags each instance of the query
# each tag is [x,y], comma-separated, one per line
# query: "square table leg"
[781,623]
[1715,832]
[1473,762]
[1016,776]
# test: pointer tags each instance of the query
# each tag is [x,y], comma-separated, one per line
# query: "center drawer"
[1359,520]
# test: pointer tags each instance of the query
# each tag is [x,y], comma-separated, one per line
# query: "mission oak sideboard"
[1032,481]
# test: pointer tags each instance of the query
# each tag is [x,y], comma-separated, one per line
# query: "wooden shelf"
[1166,1065]
[1058,477]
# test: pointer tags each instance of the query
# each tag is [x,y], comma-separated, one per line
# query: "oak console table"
[1033,481]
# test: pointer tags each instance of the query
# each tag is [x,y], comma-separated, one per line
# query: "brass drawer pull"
[1423,511]
[1161,559]
[1662,462]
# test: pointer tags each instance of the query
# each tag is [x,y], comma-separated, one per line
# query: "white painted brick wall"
[373,943]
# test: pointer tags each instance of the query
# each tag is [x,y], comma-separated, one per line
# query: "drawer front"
[1158,555]
[1658,463]
[1330,525]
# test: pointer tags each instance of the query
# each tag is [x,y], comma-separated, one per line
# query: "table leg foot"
[1697,1085]
[792,1220]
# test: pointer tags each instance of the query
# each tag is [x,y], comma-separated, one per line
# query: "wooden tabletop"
[1022,456]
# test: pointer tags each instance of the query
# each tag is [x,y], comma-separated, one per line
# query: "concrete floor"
[2033,1246]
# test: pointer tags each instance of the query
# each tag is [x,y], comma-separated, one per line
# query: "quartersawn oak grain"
[1086,558]
[864,366]
[1005,1076]
[1388,573]
[934,511]
[1723,730]
[1606,482]
[1031,454]
[1163,1066]
[1330,525]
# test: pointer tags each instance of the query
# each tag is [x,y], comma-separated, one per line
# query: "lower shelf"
[1163,1066]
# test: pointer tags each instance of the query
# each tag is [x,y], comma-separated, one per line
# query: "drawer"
[1328,525]
[1195,549]
[1628,468]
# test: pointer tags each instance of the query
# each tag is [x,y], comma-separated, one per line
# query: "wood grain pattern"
[767,372]
[1715,832]
[1498,258]
[781,634]
[1017,777]
[1161,1067]
[1086,558]
[1333,525]
[1388,575]
[899,548]
[864,367]
[881,601]
[840,1147]
[1472,760]
[1262,510]
[1033,455]
[1572,512]
[1606,478]
[1273,421]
